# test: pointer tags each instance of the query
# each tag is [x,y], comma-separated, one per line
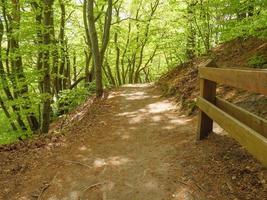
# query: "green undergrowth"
[8,135]
[67,101]
[258,62]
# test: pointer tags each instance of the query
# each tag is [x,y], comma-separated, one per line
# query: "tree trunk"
[117,59]
[74,68]
[67,76]
[98,54]
[37,7]
[124,53]
[62,81]
[16,61]
[48,18]
[191,38]
[4,6]
[4,81]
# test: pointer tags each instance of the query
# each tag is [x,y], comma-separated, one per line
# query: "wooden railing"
[248,129]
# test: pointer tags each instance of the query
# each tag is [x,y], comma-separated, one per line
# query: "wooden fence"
[248,129]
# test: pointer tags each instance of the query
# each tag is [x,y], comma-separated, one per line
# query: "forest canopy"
[56,53]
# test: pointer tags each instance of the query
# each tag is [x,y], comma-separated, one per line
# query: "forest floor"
[135,145]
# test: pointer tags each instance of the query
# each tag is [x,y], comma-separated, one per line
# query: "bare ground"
[136,145]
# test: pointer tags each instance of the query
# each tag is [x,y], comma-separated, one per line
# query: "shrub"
[70,99]
[258,61]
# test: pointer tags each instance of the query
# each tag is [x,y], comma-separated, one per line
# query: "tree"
[48,23]
[49,47]
[98,54]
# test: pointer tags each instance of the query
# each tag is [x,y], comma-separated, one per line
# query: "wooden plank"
[255,143]
[208,92]
[252,80]
[251,120]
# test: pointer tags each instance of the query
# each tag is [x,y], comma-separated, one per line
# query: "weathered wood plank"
[252,80]
[208,92]
[251,120]
[255,143]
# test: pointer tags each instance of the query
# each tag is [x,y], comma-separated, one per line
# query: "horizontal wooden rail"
[251,120]
[252,80]
[255,143]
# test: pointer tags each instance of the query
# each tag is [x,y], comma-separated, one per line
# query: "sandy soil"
[136,145]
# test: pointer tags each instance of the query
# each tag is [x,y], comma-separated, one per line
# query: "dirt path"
[134,146]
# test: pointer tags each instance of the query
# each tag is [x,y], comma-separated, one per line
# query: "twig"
[43,190]
[184,183]
[46,187]
[90,187]
[76,162]
[198,186]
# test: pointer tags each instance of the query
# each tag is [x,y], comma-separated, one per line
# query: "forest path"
[133,155]
[136,145]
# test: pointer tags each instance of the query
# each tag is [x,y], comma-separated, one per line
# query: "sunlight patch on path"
[112,161]
[162,106]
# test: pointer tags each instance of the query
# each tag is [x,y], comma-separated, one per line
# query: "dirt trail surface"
[135,145]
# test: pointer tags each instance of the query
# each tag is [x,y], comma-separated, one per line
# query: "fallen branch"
[76,162]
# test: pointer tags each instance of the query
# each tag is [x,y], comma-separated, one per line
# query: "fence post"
[208,92]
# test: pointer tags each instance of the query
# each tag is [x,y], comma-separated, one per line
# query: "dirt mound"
[182,81]
[239,52]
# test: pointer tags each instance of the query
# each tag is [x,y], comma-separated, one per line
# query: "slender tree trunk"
[191,38]
[89,73]
[37,7]
[4,81]
[88,52]
[74,68]
[109,73]
[55,63]
[62,81]
[67,76]
[117,59]
[4,6]
[98,54]
[48,18]
[154,7]
[16,61]
[124,53]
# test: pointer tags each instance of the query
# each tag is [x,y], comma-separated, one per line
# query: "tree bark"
[98,54]
[4,80]
[17,66]
[48,18]
[117,48]
[61,39]
[37,7]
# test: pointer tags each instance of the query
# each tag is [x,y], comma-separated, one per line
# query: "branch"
[129,18]
[77,82]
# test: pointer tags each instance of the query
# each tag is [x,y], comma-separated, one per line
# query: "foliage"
[51,61]
[8,135]
[70,99]
[258,61]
